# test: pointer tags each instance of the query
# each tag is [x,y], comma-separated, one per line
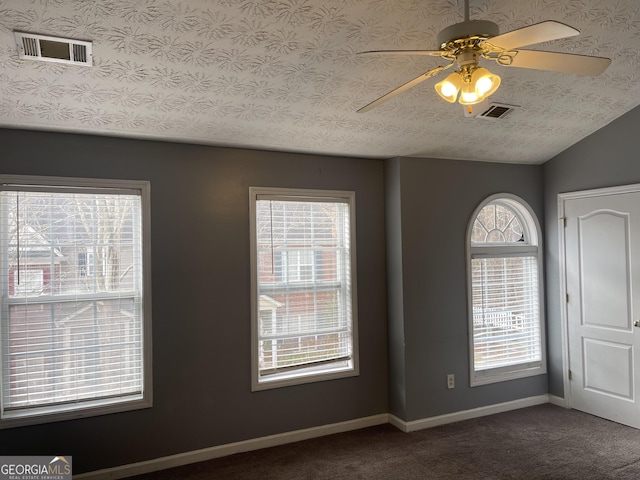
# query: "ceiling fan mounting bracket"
[466,34]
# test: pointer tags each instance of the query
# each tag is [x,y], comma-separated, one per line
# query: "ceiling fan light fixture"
[478,86]
[448,88]
[473,84]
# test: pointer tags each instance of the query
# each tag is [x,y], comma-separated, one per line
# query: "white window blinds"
[304,285]
[72,309]
[506,325]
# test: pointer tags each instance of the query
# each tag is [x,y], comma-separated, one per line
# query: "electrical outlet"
[451,381]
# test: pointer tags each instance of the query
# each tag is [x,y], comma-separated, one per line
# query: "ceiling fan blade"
[560,62]
[537,33]
[432,53]
[402,88]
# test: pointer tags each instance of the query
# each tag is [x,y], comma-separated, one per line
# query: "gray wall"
[200,263]
[201,297]
[609,157]
[433,202]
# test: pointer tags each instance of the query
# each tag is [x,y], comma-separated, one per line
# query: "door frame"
[562,261]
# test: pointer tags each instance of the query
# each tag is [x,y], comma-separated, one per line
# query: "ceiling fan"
[466,42]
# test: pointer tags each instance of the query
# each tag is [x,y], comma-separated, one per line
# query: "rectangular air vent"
[497,111]
[53,49]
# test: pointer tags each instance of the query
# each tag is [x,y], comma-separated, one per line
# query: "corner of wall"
[395,313]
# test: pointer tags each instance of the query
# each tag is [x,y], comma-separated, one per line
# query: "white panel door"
[602,253]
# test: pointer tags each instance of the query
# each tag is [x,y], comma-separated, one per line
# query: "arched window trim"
[532,247]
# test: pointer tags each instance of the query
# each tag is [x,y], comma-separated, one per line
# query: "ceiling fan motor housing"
[471,28]
[467,58]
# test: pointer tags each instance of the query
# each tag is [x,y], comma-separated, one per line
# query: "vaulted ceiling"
[284,75]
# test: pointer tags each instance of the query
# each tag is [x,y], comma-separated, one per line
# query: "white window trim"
[55,413]
[527,218]
[312,373]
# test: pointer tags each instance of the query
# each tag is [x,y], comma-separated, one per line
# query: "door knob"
[636,323]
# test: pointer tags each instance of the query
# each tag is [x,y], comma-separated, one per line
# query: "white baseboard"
[186,458]
[559,401]
[231,448]
[466,414]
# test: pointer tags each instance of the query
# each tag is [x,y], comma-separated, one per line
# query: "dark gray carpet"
[542,442]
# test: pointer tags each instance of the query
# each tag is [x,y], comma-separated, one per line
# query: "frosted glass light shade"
[485,82]
[448,88]
[468,95]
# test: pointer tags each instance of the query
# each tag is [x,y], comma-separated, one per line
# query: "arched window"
[504,262]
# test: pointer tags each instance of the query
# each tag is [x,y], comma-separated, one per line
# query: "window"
[303,286]
[299,265]
[505,304]
[85,263]
[75,340]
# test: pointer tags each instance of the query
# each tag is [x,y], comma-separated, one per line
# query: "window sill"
[487,377]
[39,415]
[306,375]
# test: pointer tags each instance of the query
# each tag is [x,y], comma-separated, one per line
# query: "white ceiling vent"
[497,111]
[53,49]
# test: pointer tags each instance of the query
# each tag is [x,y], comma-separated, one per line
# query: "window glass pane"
[497,223]
[28,281]
[304,284]
[82,243]
[73,351]
[72,315]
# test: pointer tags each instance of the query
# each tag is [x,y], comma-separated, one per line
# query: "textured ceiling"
[283,75]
